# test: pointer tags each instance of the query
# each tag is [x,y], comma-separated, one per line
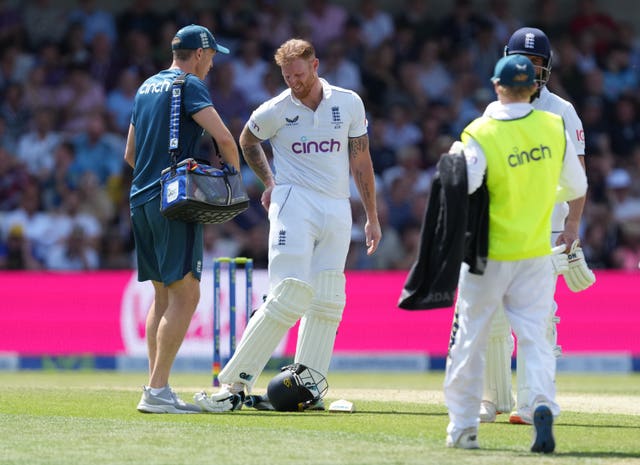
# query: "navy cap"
[514,71]
[193,37]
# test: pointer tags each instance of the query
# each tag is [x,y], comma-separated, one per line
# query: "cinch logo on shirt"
[535,154]
[155,88]
[312,146]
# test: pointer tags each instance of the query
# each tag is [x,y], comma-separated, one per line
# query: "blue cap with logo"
[514,71]
[193,37]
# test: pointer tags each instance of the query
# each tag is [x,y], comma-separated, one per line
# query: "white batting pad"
[497,371]
[317,332]
[283,307]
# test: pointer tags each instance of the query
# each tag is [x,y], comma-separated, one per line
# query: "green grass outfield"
[90,418]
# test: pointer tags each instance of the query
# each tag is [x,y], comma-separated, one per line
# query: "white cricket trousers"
[308,233]
[524,288]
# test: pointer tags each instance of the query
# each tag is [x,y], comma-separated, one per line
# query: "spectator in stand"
[377,25]
[588,18]
[619,77]
[594,124]
[36,148]
[16,252]
[233,20]
[136,53]
[432,73]
[64,176]
[419,16]
[379,76]
[13,178]
[74,254]
[218,244]
[93,20]
[626,208]
[249,69]
[103,65]
[37,93]
[120,100]
[548,19]
[627,255]
[79,98]
[600,238]
[50,58]
[15,64]
[503,20]
[44,22]
[71,214]
[184,13]
[36,224]
[337,69]
[7,142]
[141,16]
[114,254]
[11,22]
[275,23]
[400,129]
[14,111]
[458,28]
[624,128]
[97,150]
[382,155]
[409,169]
[230,101]
[325,20]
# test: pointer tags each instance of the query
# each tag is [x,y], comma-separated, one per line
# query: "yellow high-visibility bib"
[524,160]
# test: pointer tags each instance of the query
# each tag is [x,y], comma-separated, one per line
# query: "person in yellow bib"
[527,161]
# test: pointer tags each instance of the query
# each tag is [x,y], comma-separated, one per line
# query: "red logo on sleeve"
[580,134]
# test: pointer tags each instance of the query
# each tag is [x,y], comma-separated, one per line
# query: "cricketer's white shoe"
[166,401]
[468,439]
[224,400]
[522,416]
[543,440]
[488,412]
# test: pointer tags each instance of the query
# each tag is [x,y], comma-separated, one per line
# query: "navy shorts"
[166,250]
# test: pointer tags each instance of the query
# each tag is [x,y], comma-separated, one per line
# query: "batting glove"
[559,260]
[579,276]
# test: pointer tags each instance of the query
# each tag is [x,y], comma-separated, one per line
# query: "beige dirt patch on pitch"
[628,405]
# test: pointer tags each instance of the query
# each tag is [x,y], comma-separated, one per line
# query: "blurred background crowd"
[68,76]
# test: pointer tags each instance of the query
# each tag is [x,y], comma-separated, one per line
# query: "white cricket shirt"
[311,148]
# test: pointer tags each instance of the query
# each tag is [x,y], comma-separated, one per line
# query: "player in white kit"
[318,132]
[565,223]
[527,161]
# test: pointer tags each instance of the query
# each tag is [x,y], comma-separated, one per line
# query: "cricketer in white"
[565,222]
[318,132]
[523,286]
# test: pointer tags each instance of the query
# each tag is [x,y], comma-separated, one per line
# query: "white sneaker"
[166,401]
[468,439]
[488,412]
[522,416]
[225,400]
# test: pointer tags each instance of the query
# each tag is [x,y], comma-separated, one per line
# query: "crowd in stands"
[68,76]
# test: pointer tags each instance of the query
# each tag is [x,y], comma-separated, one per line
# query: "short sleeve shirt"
[150,117]
[311,148]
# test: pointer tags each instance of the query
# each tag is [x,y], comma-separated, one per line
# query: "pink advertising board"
[102,313]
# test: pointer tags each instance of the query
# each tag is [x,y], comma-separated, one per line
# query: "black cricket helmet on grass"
[532,41]
[295,388]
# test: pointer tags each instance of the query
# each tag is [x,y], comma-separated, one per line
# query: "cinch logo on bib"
[312,146]
[535,154]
